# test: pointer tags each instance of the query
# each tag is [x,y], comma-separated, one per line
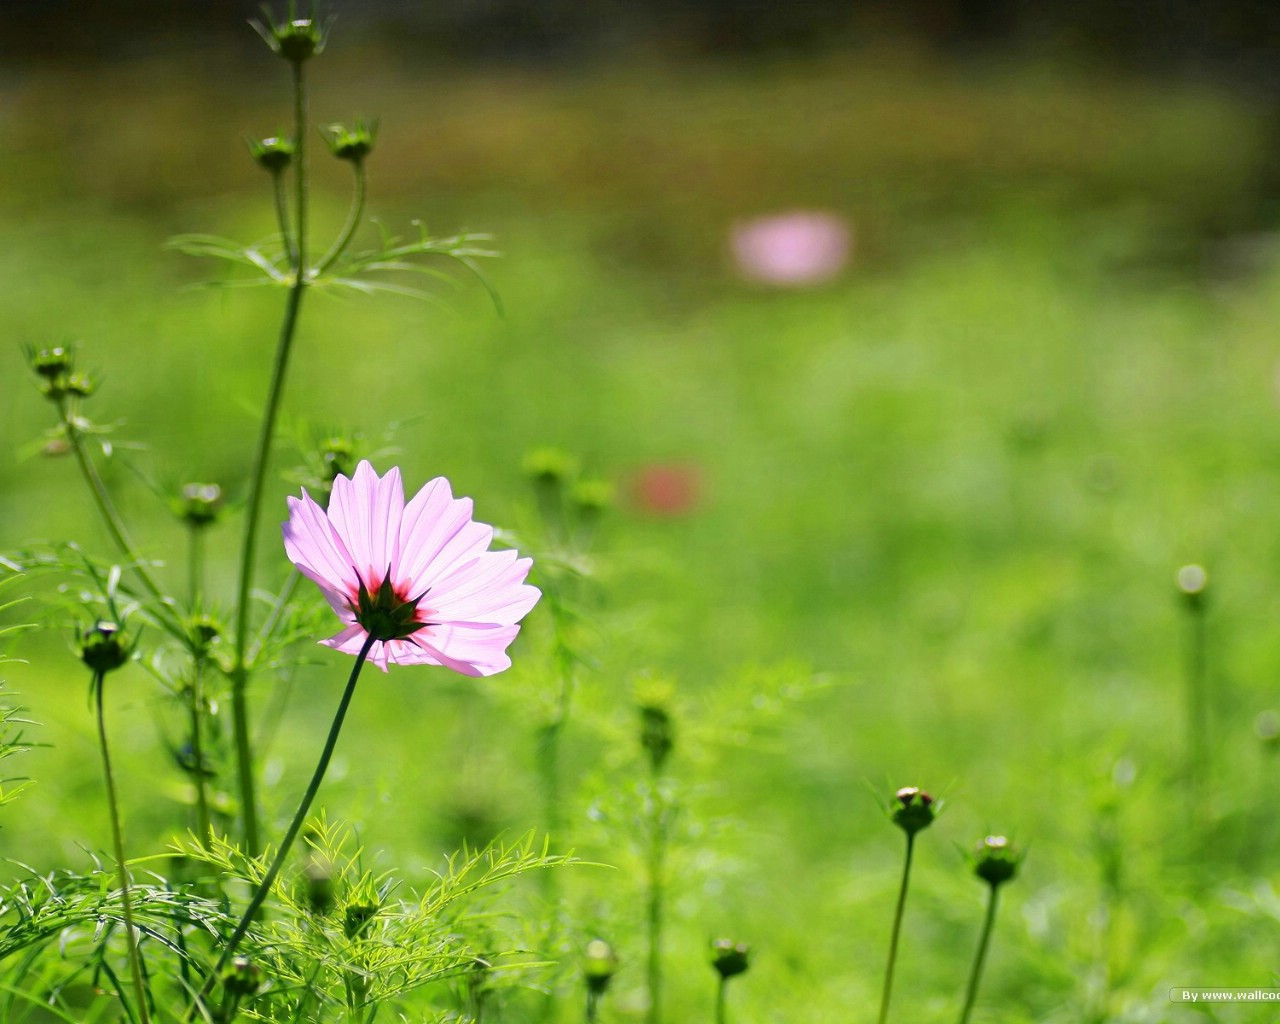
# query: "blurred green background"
[937,502]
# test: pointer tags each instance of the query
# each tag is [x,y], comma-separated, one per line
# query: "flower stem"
[117,838]
[253,507]
[102,499]
[299,816]
[195,566]
[721,1013]
[204,827]
[657,894]
[897,929]
[353,222]
[1195,670]
[976,974]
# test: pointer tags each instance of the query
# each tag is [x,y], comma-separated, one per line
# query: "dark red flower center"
[385,613]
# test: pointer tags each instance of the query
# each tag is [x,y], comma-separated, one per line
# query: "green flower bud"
[204,631]
[730,958]
[914,809]
[242,977]
[200,504]
[996,860]
[81,385]
[103,648]
[318,888]
[338,455]
[273,154]
[295,39]
[657,733]
[550,467]
[55,367]
[353,144]
[357,918]
[592,497]
[51,363]
[600,964]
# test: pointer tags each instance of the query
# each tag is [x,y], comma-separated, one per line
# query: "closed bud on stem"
[592,497]
[352,144]
[296,39]
[273,154]
[204,632]
[338,457]
[200,504]
[55,366]
[81,385]
[996,860]
[550,467]
[600,964]
[318,886]
[657,733]
[357,918]
[912,809]
[730,958]
[103,648]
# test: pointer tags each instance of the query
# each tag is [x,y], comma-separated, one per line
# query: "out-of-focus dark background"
[1234,38]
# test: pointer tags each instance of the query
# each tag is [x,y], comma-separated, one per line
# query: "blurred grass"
[953,486]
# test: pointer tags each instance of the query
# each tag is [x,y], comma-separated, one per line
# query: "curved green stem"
[282,217]
[349,229]
[975,975]
[897,929]
[299,816]
[117,838]
[240,671]
[102,499]
[721,987]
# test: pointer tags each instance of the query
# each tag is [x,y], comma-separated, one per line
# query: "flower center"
[385,614]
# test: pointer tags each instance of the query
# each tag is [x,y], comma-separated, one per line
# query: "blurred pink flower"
[792,249]
[419,578]
[666,489]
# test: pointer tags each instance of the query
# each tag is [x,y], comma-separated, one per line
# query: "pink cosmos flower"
[792,250]
[418,578]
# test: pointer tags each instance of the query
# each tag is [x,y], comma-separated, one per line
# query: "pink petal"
[435,532]
[488,589]
[315,548]
[365,512]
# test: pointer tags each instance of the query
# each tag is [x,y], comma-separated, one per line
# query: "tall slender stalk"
[240,672]
[897,929]
[354,216]
[117,838]
[204,825]
[657,895]
[975,975]
[106,507]
[299,816]
[1193,583]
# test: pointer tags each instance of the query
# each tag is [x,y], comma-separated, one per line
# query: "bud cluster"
[59,379]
